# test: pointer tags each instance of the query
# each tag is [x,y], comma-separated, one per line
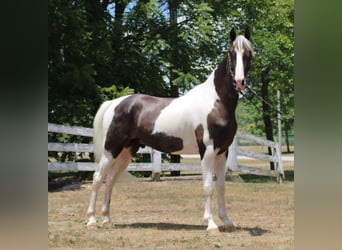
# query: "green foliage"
[100,50]
[272,37]
[112,92]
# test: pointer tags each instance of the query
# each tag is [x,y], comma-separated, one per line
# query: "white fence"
[156,166]
[235,151]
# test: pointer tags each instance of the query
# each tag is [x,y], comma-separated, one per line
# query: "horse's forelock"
[242,43]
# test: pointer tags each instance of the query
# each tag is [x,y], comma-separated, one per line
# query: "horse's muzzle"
[239,85]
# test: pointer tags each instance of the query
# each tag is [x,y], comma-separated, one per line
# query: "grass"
[168,215]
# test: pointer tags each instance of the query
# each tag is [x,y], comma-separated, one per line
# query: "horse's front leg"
[207,163]
[220,181]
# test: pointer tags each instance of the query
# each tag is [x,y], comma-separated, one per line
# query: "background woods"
[100,50]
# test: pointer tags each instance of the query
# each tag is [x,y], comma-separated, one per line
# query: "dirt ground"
[168,215]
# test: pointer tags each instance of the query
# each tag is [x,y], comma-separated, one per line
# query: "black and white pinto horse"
[202,121]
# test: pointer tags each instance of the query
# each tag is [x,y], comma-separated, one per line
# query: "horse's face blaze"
[240,55]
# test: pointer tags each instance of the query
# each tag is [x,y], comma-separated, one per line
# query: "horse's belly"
[187,149]
[172,143]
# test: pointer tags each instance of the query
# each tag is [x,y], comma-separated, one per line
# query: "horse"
[201,121]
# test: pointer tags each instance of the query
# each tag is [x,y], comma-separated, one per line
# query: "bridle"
[231,72]
[248,93]
[229,68]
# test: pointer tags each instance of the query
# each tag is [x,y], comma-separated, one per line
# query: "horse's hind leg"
[220,181]
[120,164]
[104,164]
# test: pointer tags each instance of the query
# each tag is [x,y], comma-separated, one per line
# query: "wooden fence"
[156,166]
[234,151]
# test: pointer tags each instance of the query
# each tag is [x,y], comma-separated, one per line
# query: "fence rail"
[72,130]
[234,151]
[156,165]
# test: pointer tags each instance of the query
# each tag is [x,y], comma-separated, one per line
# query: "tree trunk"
[173,37]
[287,137]
[118,22]
[173,5]
[266,111]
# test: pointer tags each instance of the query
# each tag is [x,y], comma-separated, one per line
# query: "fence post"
[156,163]
[280,170]
[279,165]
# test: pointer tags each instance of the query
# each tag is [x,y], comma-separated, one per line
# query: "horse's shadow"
[161,226]
[253,231]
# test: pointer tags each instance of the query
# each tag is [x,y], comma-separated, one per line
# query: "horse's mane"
[242,43]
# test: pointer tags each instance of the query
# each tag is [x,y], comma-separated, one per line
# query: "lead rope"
[251,93]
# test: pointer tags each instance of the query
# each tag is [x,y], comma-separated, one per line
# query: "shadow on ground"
[289,176]
[253,231]
[161,226]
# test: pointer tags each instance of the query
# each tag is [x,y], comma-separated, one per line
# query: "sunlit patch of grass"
[168,215]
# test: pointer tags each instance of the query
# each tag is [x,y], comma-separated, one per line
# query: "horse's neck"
[218,84]
[224,86]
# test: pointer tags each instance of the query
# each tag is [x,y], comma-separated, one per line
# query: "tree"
[74,57]
[103,49]
[280,51]
[273,66]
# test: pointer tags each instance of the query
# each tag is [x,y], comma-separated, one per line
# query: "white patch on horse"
[239,71]
[241,44]
[182,116]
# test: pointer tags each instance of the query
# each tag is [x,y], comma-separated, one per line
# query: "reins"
[251,93]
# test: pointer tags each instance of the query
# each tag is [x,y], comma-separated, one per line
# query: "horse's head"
[239,58]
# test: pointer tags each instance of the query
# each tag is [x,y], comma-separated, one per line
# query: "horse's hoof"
[229,228]
[91,223]
[106,223]
[213,232]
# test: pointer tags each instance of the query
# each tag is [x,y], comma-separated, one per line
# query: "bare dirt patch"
[168,215]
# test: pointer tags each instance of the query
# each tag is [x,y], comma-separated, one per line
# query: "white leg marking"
[220,181]
[120,164]
[207,172]
[99,174]
[108,192]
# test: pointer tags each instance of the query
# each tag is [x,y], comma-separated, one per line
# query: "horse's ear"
[247,32]
[232,35]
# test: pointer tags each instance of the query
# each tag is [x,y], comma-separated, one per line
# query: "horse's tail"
[99,133]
